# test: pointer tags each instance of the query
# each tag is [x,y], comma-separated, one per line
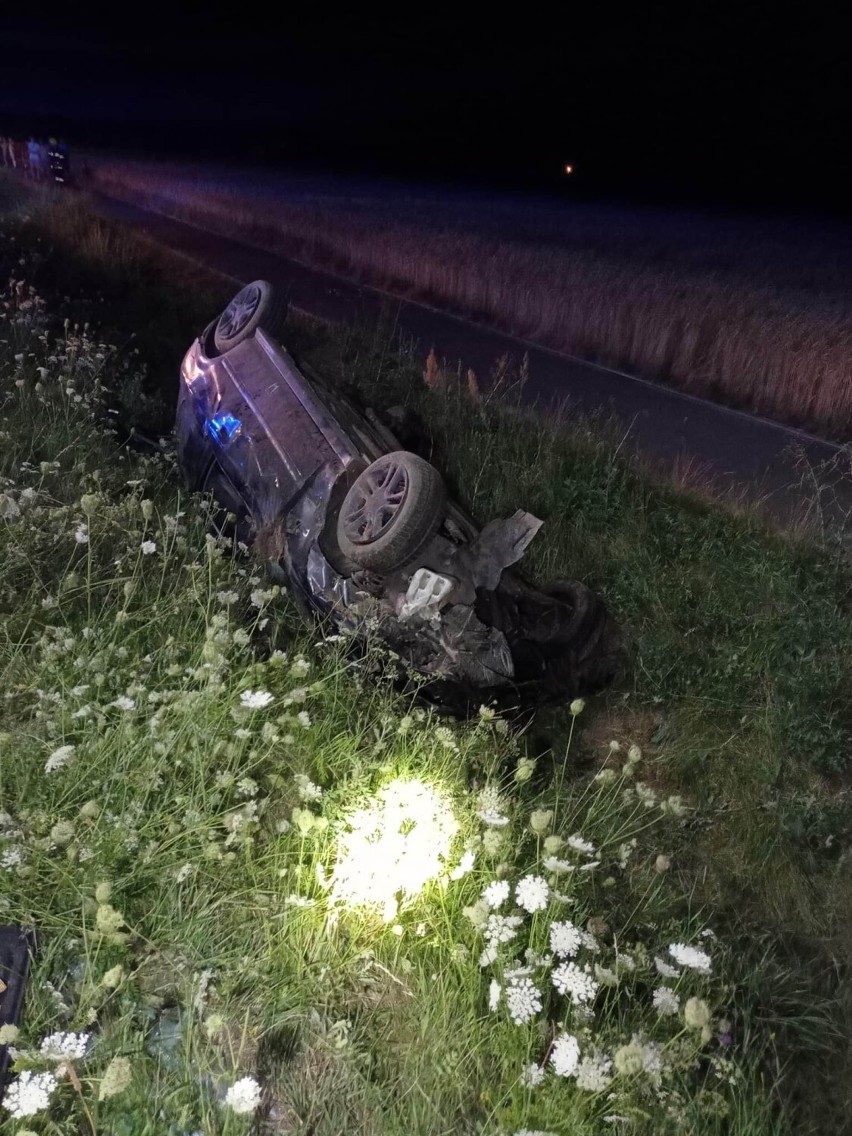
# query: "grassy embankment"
[217,950]
[751,312]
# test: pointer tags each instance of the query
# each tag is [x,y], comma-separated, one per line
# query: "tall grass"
[735,693]
[754,314]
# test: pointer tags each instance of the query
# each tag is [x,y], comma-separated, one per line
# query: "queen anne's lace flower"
[578,983]
[496,894]
[666,969]
[494,991]
[29,1094]
[581,845]
[502,928]
[532,893]
[523,999]
[149,547]
[532,1075]
[565,1055]
[244,1096]
[255,700]
[65,1046]
[564,939]
[691,957]
[594,1073]
[59,758]
[490,807]
[666,1002]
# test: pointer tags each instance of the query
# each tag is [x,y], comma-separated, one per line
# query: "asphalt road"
[738,453]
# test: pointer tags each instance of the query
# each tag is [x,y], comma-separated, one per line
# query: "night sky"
[750,108]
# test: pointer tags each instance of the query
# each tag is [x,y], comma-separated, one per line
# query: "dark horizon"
[699,110]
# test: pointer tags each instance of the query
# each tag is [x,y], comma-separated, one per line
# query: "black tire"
[391,512]
[256,305]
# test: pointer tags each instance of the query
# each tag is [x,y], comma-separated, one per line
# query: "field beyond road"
[750,312]
[272,895]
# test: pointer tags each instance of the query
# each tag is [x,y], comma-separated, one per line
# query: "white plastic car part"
[425,594]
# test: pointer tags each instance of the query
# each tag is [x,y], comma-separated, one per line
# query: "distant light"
[569,169]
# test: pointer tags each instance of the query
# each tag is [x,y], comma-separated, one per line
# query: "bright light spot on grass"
[390,849]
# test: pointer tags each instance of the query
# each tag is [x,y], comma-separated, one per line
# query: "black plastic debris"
[16,945]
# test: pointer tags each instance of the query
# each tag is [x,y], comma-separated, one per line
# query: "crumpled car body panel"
[279,447]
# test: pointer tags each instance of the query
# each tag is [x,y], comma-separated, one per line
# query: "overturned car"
[363,532]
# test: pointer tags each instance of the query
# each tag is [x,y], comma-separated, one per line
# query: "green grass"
[734,690]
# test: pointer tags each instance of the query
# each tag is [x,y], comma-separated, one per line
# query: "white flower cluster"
[575,981]
[29,1094]
[65,1046]
[523,999]
[255,699]
[691,957]
[243,1096]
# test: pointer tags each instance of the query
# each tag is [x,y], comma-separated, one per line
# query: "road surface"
[738,453]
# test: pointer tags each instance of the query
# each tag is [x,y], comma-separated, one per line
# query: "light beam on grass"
[391,848]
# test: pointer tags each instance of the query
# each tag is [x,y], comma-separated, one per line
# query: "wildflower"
[524,770]
[227,598]
[304,719]
[496,894]
[255,699]
[113,977]
[629,1060]
[124,703]
[494,991]
[8,1034]
[65,1046]
[502,928]
[577,706]
[243,1096]
[62,832]
[690,957]
[488,956]
[492,841]
[116,1078]
[59,758]
[634,755]
[81,534]
[554,864]
[662,863]
[149,547]
[532,893]
[696,1013]
[665,969]
[299,667]
[594,1073]
[464,865]
[477,914]
[107,920]
[674,806]
[523,999]
[605,976]
[565,1055]
[575,981]
[532,1075]
[29,1094]
[580,845]
[564,939]
[666,1002]
[540,820]
[306,789]
[490,807]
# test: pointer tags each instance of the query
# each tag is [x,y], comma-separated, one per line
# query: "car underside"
[363,534]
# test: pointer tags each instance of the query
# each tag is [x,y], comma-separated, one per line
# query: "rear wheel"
[256,305]
[391,512]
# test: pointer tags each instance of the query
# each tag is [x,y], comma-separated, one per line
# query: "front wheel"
[391,512]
